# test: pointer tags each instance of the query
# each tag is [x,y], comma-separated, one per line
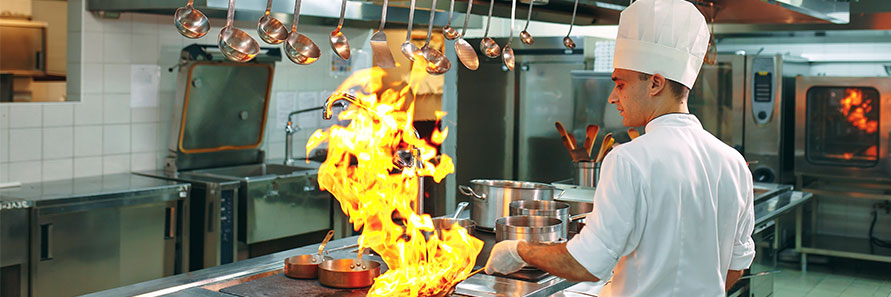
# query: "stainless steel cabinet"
[92,234]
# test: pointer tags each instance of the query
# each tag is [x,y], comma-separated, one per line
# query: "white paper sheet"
[286,102]
[144,81]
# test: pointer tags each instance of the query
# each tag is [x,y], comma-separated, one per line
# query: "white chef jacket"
[672,213]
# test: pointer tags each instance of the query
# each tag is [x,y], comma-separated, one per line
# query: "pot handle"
[558,196]
[579,216]
[467,191]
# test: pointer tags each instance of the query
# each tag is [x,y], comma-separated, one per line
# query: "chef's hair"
[677,89]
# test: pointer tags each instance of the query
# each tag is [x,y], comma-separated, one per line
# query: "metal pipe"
[290,129]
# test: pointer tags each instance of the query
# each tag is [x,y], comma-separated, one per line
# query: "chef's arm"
[732,277]
[555,259]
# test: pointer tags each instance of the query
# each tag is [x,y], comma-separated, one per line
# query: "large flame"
[378,195]
[854,108]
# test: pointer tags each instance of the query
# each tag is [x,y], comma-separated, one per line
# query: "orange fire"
[376,194]
[855,109]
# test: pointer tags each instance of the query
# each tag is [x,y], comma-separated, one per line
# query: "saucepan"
[307,266]
[492,197]
[536,229]
[349,273]
[554,209]
[446,223]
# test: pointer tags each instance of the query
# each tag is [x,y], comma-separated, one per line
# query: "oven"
[842,127]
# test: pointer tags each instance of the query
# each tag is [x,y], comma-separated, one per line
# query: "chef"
[673,211]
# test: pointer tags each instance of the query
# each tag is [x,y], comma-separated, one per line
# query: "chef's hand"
[504,258]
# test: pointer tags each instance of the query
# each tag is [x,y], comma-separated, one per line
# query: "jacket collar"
[674,120]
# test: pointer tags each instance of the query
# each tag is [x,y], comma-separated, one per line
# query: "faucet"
[404,158]
[291,128]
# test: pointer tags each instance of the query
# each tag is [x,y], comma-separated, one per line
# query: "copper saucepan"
[349,273]
[307,266]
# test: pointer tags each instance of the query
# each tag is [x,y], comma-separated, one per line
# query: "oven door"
[842,127]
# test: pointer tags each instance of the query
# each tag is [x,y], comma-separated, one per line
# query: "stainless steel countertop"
[85,190]
[190,284]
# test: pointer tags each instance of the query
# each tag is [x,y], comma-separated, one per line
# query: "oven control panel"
[763,89]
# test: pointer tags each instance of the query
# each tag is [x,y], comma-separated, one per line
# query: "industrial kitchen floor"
[838,277]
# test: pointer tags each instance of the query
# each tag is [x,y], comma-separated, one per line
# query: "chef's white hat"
[668,37]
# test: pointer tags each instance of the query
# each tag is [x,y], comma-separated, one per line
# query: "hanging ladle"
[508,53]
[567,42]
[487,45]
[382,56]
[448,32]
[525,37]
[270,29]
[339,41]
[235,44]
[299,48]
[190,22]
[437,63]
[409,50]
[463,49]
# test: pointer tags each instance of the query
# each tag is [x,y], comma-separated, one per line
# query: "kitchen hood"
[590,12]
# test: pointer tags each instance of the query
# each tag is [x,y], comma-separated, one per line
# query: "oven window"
[842,126]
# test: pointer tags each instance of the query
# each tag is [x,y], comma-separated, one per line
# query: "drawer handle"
[169,223]
[46,244]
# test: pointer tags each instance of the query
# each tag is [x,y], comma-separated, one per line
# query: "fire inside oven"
[842,126]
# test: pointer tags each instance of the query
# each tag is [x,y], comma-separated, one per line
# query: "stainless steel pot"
[491,198]
[554,209]
[447,224]
[529,228]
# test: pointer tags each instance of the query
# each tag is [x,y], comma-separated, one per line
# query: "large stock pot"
[492,198]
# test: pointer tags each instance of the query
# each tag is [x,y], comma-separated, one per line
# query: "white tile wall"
[88,166]
[25,115]
[58,115]
[25,144]
[26,172]
[89,110]
[87,141]
[116,139]
[58,169]
[100,133]
[112,164]
[116,108]
[58,142]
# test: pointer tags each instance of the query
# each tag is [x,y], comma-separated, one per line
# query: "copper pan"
[307,266]
[349,273]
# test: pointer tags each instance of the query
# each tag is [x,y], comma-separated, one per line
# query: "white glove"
[504,258]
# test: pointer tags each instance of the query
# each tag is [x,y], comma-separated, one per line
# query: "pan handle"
[579,216]
[560,195]
[467,191]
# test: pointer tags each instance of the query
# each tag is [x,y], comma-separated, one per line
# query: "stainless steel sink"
[254,170]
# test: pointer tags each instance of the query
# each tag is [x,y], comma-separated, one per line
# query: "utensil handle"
[467,17]
[231,14]
[325,241]
[558,196]
[342,12]
[574,7]
[191,2]
[528,15]
[268,6]
[430,26]
[489,19]
[467,191]
[513,12]
[411,20]
[459,209]
[296,15]
[383,16]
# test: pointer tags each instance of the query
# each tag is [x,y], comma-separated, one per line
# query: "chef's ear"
[657,85]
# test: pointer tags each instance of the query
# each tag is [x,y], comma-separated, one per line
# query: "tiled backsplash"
[102,133]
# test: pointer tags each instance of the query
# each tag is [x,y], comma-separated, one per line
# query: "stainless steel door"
[545,96]
[285,206]
[718,96]
[94,249]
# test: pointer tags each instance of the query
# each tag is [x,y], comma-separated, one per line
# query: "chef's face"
[631,97]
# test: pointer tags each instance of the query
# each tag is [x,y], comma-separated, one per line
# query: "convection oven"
[842,127]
